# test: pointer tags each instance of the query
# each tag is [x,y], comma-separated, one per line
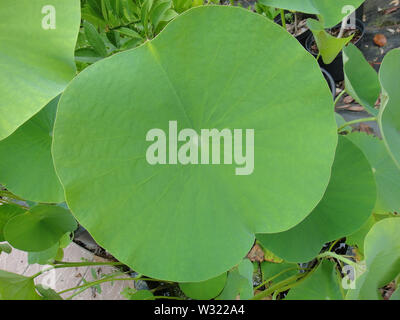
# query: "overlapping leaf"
[26,164]
[239,284]
[7,212]
[382,258]
[389,115]
[346,205]
[16,287]
[36,56]
[322,284]
[386,173]
[204,290]
[39,228]
[361,79]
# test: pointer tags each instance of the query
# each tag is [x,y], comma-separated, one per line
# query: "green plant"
[329,14]
[312,184]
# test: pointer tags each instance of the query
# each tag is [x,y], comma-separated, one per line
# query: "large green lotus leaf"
[16,287]
[345,207]
[386,173]
[204,290]
[322,284]
[332,11]
[362,81]
[37,60]
[8,211]
[212,67]
[26,164]
[382,259]
[389,115]
[39,228]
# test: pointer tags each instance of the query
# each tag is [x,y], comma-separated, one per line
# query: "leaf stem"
[338,97]
[330,254]
[59,265]
[87,285]
[274,277]
[356,121]
[270,290]
[283,19]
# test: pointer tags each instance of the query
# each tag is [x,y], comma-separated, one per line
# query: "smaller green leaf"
[87,55]
[322,284]
[43,257]
[386,173]
[361,80]
[146,7]
[65,240]
[382,260]
[7,212]
[39,228]
[239,283]
[204,290]
[48,293]
[129,32]
[142,295]
[16,287]
[396,295]
[26,165]
[158,11]
[94,39]
[132,43]
[328,46]
[5,247]
[389,114]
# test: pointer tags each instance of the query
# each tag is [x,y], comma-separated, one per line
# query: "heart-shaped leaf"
[346,205]
[39,228]
[36,56]
[55,252]
[389,115]
[382,259]
[26,164]
[361,80]
[328,45]
[16,287]
[220,73]
[204,290]
[8,211]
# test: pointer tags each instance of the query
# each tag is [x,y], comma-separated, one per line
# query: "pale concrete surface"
[65,278]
